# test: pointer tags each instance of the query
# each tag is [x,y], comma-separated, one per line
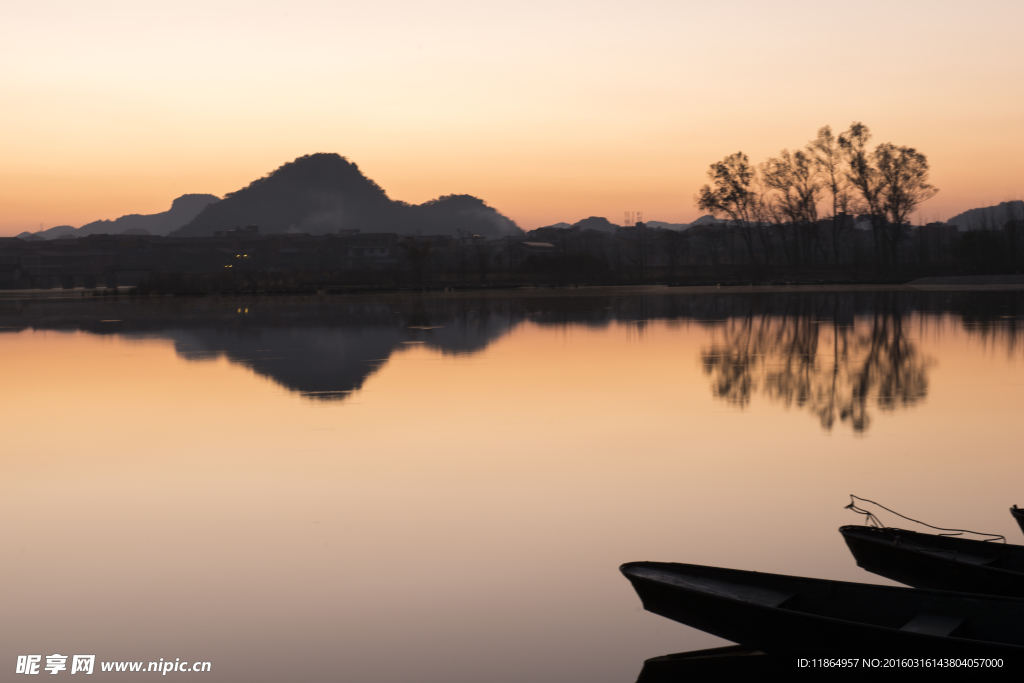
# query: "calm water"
[442,488]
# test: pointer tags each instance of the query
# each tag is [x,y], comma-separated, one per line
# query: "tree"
[892,182]
[733,196]
[904,181]
[776,204]
[828,157]
[864,178]
[796,190]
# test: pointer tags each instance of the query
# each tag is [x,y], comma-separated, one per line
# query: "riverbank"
[962,283]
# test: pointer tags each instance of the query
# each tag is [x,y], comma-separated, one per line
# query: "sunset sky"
[548,110]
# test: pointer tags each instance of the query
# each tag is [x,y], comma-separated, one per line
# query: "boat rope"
[875,522]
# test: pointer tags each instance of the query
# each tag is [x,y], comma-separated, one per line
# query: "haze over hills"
[183,209]
[989,217]
[324,193]
[604,225]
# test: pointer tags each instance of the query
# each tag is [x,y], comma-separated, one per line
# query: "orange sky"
[549,111]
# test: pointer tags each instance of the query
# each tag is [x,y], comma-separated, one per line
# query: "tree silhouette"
[781,196]
[828,156]
[794,193]
[733,195]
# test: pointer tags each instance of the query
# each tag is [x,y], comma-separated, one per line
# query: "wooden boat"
[938,562]
[790,615]
[734,660]
[1018,514]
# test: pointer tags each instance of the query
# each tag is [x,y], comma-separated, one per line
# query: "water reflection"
[838,355]
[731,660]
[318,534]
[834,370]
[328,363]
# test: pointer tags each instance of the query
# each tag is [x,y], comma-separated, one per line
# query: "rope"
[875,522]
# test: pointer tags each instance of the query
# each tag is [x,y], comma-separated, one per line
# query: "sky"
[550,110]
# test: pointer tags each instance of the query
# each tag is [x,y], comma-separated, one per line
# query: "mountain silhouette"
[989,217]
[667,226]
[324,193]
[183,209]
[53,233]
[604,225]
[456,213]
[596,223]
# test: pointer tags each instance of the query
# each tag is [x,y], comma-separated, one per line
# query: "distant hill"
[323,193]
[596,223]
[183,209]
[989,217]
[459,213]
[667,226]
[707,220]
[50,234]
[605,225]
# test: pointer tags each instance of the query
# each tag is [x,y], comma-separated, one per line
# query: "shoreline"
[960,283]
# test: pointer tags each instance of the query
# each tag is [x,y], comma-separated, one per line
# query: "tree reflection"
[837,372]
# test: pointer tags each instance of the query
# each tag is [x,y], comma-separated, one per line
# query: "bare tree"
[796,189]
[904,187]
[892,182]
[864,178]
[773,207]
[828,157]
[733,196]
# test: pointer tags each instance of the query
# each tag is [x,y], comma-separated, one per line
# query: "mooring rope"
[875,522]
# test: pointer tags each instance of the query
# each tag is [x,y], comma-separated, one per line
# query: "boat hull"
[925,561]
[1018,514]
[872,622]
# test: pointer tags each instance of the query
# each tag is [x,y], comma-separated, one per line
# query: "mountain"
[50,234]
[596,223]
[604,225]
[461,213]
[989,217]
[667,226]
[322,193]
[183,209]
[707,220]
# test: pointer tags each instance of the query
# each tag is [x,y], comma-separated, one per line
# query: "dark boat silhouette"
[1018,514]
[790,615]
[733,660]
[938,562]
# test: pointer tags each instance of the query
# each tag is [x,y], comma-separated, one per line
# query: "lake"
[441,487]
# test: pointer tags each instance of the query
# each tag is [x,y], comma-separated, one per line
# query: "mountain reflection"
[835,371]
[326,363]
[837,354]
